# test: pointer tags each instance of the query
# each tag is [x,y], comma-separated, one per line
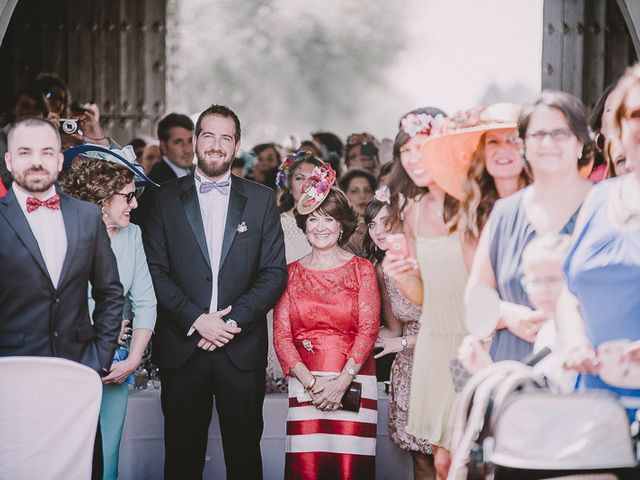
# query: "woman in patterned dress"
[325,326]
[402,325]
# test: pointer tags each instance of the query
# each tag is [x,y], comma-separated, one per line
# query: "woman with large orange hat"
[436,154]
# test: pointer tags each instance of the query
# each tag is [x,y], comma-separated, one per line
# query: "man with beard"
[215,249]
[52,247]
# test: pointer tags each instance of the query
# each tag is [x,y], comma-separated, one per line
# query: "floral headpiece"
[420,123]
[316,188]
[383,194]
[360,138]
[282,178]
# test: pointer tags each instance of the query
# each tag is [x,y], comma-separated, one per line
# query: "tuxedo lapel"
[192,210]
[237,202]
[14,215]
[71,223]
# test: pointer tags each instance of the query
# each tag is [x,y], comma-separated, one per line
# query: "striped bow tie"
[52,202]
[222,187]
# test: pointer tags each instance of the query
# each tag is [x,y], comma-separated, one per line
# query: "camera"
[69,125]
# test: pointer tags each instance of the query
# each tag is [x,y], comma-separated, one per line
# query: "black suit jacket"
[162,173]
[252,275]
[38,319]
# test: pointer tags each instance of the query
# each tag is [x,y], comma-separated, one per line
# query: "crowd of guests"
[344,256]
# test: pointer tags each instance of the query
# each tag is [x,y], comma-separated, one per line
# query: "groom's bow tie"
[223,187]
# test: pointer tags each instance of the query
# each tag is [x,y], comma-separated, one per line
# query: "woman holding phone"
[436,154]
[440,255]
[399,334]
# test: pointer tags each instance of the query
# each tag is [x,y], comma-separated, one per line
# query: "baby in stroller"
[541,393]
[543,280]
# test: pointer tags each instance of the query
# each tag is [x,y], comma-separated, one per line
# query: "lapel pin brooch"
[242,228]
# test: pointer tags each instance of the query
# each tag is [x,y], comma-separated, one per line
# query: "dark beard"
[34,187]
[213,170]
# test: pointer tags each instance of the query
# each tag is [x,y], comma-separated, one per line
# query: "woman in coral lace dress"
[325,326]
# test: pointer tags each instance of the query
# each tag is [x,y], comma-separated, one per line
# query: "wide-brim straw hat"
[447,155]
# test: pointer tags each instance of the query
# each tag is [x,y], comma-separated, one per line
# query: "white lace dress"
[296,246]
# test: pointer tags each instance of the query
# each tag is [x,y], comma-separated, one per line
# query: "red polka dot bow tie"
[52,202]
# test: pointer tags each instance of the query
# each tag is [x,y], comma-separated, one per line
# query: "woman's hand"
[472,355]
[632,352]
[120,371]
[404,271]
[125,332]
[582,358]
[328,392]
[388,345]
[526,322]
[397,266]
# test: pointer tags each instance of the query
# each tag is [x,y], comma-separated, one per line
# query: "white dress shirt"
[213,209]
[179,171]
[47,226]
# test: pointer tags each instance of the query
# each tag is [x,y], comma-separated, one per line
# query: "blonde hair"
[551,247]
[617,98]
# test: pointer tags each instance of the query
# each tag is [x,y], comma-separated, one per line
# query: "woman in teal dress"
[111,186]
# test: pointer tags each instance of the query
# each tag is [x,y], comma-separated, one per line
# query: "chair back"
[49,411]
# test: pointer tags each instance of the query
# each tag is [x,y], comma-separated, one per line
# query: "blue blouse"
[603,272]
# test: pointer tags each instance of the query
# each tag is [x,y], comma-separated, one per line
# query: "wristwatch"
[404,343]
[231,323]
[351,371]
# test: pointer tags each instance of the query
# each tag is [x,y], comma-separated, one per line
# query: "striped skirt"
[331,445]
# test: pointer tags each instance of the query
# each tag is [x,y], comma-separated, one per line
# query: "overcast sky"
[454,50]
[461,47]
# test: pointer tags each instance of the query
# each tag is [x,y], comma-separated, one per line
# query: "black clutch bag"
[351,398]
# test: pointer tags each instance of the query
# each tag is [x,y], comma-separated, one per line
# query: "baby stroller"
[512,426]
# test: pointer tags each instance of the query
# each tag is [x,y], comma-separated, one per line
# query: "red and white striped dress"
[336,314]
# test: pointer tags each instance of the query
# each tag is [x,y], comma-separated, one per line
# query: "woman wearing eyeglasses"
[111,187]
[603,265]
[557,143]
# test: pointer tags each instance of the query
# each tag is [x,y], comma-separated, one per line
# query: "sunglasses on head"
[130,196]
[53,96]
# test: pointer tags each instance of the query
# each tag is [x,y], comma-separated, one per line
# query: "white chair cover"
[49,411]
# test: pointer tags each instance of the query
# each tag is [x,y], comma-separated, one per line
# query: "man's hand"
[215,333]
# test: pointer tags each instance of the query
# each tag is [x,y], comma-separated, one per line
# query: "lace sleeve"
[286,351]
[369,314]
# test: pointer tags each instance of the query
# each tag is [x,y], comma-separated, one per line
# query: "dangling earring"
[579,155]
[340,237]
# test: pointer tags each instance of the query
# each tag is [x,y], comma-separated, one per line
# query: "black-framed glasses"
[557,135]
[130,196]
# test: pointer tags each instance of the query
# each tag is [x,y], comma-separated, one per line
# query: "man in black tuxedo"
[51,247]
[215,249]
